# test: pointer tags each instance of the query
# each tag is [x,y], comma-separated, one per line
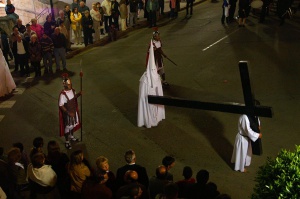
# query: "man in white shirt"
[20,49]
[106,5]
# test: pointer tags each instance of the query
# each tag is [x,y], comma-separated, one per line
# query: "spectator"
[130,159]
[76,24]
[94,188]
[74,4]
[49,25]
[161,9]
[37,28]
[82,8]
[59,43]
[88,30]
[198,189]
[24,157]
[28,33]
[98,5]
[13,37]
[185,184]
[123,14]
[152,7]
[5,46]
[10,11]
[169,163]
[42,178]
[47,52]
[211,190]
[17,172]
[59,162]
[20,49]
[104,172]
[131,179]
[20,26]
[63,30]
[115,13]
[189,6]
[244,9]
[5,181]
[158,182]
[67,22]
[78,172]
[170,191]
[106,6]
[38,144]
[35,53]
[113,32]
[96,19]
[133,9]
[172,8]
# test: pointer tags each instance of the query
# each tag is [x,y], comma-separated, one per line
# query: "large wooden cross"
[247,108]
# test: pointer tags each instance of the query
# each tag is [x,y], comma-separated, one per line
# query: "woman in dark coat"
[35,54]
[87,25]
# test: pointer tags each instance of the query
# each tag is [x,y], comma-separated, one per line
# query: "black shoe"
[165,84]
[68,145]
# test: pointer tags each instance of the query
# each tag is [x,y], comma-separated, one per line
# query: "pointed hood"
[153,78]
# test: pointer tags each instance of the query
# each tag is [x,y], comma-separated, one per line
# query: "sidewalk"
[104,39]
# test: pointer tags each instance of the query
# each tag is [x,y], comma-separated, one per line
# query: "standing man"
[106,6]
[20,49]
[82,8]
[67,22]
[68,111]
[20,26]
[59,42]
[47,52]
[189,5]
[133,9]
[13,37]
[151,8]
[248,129]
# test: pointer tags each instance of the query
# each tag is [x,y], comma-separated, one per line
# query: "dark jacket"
[15,47]
[59,41]
[86,22]
[47,27]
[35,51]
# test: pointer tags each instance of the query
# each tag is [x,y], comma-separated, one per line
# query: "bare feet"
[245,171]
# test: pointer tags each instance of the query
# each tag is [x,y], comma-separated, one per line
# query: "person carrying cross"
[69,120]
[248,130]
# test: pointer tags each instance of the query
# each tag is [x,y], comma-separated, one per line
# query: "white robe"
[150,115]
[242,151]
[7,83]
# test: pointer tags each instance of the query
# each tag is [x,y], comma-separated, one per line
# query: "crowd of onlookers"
[53,174]
[31,43]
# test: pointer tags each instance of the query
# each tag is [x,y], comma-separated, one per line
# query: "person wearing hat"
[68,111]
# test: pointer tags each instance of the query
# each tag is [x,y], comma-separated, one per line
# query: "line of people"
[56,175]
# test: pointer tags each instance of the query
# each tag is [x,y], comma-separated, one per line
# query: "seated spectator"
[78,172]
[158,182]
[103,170]
[24,157]
[185,184]
[130,159]
[170,191]
[28,33]
[134,191]
[211,190]
[59,162]
[169,163]
[42,178]
[94,188]
[38,144]
[17,172]
[198,189]
[10,11]
[20,51]
[131,179]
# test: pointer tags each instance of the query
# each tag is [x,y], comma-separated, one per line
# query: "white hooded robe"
[150,115]
[7,83]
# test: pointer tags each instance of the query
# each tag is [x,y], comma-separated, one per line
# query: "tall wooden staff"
[81,75]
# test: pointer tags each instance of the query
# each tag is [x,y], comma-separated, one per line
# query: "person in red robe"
[69,120]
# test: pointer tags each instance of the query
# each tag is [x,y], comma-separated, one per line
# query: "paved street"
[207,54]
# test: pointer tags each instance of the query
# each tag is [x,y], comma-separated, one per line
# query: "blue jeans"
[47,60]
[60,55]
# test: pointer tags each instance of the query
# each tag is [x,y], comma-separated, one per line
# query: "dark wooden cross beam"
[248,108]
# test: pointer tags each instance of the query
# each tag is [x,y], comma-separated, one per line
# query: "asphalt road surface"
[207,54]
